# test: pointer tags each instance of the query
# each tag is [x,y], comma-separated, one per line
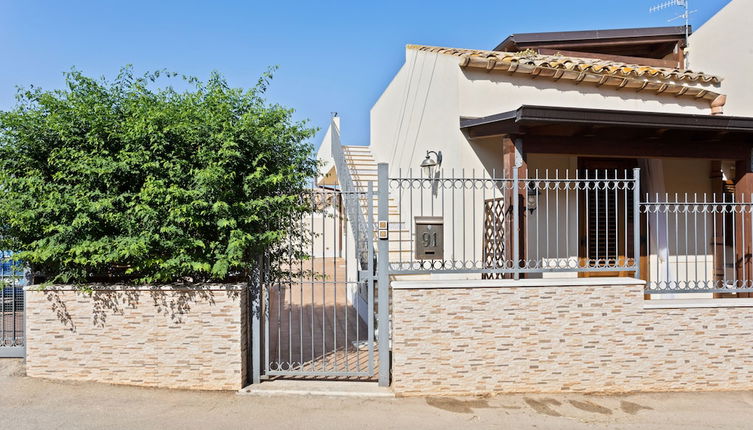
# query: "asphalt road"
[27,403]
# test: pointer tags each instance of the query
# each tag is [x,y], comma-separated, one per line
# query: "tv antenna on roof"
[685,15]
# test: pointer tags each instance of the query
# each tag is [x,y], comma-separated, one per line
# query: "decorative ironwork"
[535,231]
[496,223]
[699,243]
[352,200]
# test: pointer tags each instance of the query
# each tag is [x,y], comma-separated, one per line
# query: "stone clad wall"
[591,338]
[173,337]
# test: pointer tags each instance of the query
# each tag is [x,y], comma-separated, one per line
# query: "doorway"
[606,226]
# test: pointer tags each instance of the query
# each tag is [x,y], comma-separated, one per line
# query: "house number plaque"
[429,237]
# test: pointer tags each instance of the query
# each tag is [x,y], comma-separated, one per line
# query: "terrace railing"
[512,223]
[528,223]
[352,200]
[698,243]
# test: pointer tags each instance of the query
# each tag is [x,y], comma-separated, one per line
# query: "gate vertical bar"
[383,324]
[370,283]
[370,279]
[637,222]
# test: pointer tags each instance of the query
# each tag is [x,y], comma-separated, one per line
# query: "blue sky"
[333,55]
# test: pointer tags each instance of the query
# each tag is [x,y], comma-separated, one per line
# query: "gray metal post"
[26,325]
[637,221]
[383,256]
[255,292]
[515,224]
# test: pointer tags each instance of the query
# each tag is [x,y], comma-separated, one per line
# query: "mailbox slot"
[429,237]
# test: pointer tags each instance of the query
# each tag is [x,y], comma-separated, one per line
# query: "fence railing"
[352,199]
[513,223]
[12,322]
[698,243]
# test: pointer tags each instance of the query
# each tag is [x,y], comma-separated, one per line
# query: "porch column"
[717,246]
[743,223]
[513,158]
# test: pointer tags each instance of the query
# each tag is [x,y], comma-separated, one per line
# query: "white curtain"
[652,179]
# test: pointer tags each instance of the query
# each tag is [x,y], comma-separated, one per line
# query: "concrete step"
[356,148]
[285,388]
[400,236]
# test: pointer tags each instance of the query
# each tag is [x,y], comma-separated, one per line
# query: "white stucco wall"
[483,94]
[419,111]
[722,46]
[327,175]
[327,230]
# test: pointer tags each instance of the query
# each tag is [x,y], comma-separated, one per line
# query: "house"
[592,213]
[595,169]
[564,105]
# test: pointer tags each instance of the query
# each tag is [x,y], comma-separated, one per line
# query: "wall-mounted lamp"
[532,197]
[431,165]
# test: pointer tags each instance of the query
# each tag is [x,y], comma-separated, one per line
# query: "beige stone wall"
[594,338]
[174,337]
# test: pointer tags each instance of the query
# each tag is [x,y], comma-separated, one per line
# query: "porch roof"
[651,42]
[568,130]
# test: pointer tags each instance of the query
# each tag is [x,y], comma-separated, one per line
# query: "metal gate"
[314,312]
[11,307]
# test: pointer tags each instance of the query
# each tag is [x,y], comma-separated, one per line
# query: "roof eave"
[592,35]
[516,121]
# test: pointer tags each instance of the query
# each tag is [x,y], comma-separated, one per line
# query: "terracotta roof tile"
[672,81]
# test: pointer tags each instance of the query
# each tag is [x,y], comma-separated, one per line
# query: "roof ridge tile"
[593,65]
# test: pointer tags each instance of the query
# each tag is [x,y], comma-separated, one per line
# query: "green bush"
[128,180]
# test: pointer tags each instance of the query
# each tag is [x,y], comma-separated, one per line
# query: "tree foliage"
[125,179]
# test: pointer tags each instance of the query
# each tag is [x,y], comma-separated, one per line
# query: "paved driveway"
[27,403]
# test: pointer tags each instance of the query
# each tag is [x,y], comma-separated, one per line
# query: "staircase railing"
[351,197]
